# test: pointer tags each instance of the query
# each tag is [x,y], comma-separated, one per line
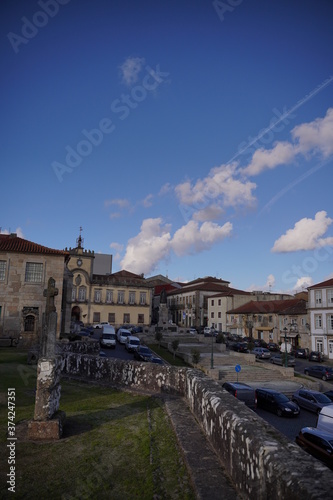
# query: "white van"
[108,337]
[325,419]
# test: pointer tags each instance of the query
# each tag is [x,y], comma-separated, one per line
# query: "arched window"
[29,323]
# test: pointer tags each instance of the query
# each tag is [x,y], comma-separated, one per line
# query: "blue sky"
[187,138]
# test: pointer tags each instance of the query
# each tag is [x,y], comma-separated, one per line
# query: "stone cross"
[49,330]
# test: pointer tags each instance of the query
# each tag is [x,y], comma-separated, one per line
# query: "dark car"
[243,392]
[302,353]
[316,356]
[311,400]
[143,353]
[318,443]
[272,346]
[276,402]
[156,360]
[329,394]
[240,347]
[319,371]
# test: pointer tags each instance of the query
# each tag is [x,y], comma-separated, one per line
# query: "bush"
[220,338]
[195,356]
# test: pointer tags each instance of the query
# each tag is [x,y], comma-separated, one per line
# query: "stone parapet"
[260,460]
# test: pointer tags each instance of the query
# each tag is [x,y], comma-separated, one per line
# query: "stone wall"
[261,461]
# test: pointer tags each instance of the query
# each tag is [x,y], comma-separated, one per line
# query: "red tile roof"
[271,306]
[12,243]
[323,284]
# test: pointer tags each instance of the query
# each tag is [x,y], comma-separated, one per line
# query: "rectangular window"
[143,298]
[121,296]
[330,346]
[112,318]
[82,293]
[329,296]
[34,272]
[98,296]
[318,296]
[219,314]
[132,298]
[212,302]
[219,302]
[109,296]
[141,318]
[126,318]
[212,315]
[318,322]
[330,321]
[96,317]
[2,270]
[73,293]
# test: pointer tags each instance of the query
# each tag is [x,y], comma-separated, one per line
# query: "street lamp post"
[212,355]
[285,348]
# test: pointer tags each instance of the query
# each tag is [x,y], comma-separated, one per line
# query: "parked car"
[122,335]
[136,329]
[319,371]
[329,394]
[311,400]
[132,343]
[261,353]
[318,443]
[276,402]
[302,353]
[100,325]
[243,392]
[316,356]
[209,332]
[240,347]
[259,343]
[87,330]
[278,359]
[272,346]
[325,419]
[156,360]
[143,353]
[193,331]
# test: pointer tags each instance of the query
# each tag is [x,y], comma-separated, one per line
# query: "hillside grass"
[115,444]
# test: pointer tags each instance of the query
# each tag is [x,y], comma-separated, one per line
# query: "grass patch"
[162,352]
[115,445]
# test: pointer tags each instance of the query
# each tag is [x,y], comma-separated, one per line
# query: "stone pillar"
[48,420]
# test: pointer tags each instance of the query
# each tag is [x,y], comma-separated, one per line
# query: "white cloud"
[307,234]
[212,212]
[145,250]
[165,189]
[148,201]
[119,202]
[154,243]
[18,231]
[264,159]
[193,238]
[221,185]
[316,135]
[302,284]
[118,249]
[130,70]
[267,287]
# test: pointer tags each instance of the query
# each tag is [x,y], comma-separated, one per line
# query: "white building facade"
[320,307]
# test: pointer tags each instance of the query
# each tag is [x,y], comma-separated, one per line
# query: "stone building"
[25,268]
[98,295]
[272,321]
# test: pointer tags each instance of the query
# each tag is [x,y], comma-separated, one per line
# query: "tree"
[159,337]
[195,356]
[175,345]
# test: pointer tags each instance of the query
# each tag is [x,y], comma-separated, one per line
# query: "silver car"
[280,360]
[261,353]
[311,400]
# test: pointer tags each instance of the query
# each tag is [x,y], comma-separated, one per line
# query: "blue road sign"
[238,368]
